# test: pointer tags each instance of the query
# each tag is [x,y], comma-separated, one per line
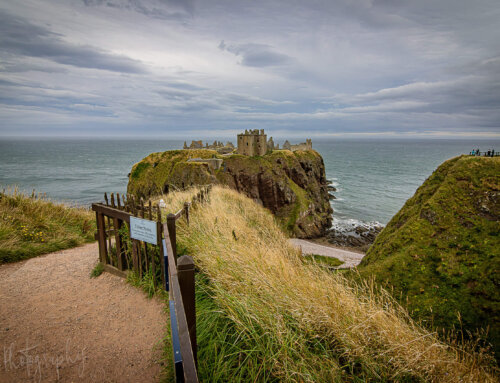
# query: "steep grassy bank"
[265,315]
[441,251]
[31,226]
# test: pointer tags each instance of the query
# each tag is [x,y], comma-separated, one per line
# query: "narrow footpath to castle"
[350,258]
[58,324]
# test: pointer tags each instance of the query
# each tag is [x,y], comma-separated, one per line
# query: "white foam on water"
[347,226]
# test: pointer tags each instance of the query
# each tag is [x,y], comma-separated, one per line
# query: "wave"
[351,226]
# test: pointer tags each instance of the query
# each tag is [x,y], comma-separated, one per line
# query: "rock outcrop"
[359,236]
[441,252]
[292,185]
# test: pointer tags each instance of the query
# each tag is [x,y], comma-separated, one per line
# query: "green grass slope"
[30,227]
[265,314]
[441,251]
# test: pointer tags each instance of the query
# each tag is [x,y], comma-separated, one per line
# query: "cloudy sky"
[298,68]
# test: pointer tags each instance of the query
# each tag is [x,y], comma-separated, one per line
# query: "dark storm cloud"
[256,55]
[20,37]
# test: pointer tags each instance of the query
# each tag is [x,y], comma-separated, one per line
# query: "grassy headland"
[292,185]
[441,251]
[265,315]
[31,226]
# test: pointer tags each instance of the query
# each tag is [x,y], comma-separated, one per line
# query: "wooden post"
[185,272]
[146,258]
[120,253]
[118,201]
[109,224]
[186,211]
[101,231]
[159,235]
[132,205]
[172,234]
[112,200]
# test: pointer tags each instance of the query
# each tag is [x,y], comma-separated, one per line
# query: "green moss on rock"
[441,251]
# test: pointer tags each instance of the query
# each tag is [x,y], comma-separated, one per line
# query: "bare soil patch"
[58,324]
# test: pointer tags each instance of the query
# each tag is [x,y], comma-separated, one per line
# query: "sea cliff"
[292,185]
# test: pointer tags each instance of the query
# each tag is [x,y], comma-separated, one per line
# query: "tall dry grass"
[303,322]
[31,225]
[175,201]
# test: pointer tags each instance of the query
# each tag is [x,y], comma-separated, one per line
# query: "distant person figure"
[489,152]
[478,153]
[473,153]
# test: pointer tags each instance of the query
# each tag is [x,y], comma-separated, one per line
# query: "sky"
[212,68]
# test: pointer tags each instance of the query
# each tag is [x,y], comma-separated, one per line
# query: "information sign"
[143,230]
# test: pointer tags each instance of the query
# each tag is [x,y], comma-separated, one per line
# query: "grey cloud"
[256,55]
[20,37]
[161,9]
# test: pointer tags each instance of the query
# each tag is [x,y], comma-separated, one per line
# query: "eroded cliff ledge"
[292,185]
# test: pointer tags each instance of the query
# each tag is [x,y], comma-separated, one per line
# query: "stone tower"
[252,143]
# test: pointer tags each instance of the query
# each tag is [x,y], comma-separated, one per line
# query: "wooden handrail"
[188,360]
[111,212]
[179,214]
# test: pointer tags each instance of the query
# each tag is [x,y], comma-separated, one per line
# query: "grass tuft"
[322,260]
[97,270]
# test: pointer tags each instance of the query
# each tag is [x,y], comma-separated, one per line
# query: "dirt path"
[350,258]
[57,324]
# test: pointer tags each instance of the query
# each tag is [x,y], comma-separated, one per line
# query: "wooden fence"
[119,253]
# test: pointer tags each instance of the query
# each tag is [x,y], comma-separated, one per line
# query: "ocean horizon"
[373,177]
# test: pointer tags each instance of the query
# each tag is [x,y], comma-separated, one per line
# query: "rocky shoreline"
[358,236]
[352,234]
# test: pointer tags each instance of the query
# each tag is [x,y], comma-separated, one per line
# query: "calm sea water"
[373,178]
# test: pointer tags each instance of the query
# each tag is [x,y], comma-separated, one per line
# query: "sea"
[373,177]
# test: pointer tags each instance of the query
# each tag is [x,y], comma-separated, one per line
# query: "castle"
[254,143]
[251,143]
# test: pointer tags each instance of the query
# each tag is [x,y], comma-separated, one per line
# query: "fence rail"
[119,253]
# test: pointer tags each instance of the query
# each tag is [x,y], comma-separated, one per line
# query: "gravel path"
[350,258]
[59,325]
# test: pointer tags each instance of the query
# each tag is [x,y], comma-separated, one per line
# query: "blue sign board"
[143,230]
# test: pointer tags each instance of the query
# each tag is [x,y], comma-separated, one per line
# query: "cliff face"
[441,251]
[292,185]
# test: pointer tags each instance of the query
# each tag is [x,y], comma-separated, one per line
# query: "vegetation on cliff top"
[32,226]
[265,315]
[441,251]
[290,184]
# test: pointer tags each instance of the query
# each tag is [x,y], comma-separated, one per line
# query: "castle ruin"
[302,146]
[217,145]
[252,143]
